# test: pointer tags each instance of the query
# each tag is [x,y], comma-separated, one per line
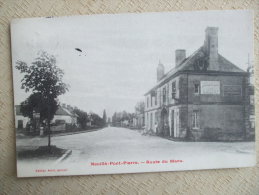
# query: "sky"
[120,52]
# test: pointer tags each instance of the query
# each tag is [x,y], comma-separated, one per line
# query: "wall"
[224,120]
[68,119]
[223,181]
[225,81]
[24,119]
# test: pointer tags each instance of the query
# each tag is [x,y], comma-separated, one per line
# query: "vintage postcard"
[127,93]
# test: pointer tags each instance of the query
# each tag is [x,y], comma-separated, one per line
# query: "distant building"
[138,121]
[202,97]
[64,115]
[250,109]
[20,120]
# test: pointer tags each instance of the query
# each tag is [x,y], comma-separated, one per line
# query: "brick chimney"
[211,47]
[180,55]
[160,71]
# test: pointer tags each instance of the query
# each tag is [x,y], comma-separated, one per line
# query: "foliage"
[36,102]
[43,76]
[140,107]
[43,79]
[104,117]
[119,117]
[97,120]
[82,117]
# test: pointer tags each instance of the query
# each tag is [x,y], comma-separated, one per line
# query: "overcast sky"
[120,52]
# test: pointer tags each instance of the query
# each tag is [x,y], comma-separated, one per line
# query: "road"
[120,143]
[116,145]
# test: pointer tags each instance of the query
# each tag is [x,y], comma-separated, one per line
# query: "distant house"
[125,123]
[20,120]
[138,121]
[64,115]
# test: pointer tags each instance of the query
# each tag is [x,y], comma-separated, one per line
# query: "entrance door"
[164,123]
[172,124]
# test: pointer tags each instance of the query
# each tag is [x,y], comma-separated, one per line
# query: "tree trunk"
[49,141]
[49,134]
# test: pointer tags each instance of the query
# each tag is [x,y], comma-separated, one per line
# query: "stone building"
[250,109]
[204,97]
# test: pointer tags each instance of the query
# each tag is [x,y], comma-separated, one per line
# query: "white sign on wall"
[210,87]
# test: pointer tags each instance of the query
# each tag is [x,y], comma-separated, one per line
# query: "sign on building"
[232,90]
[210,87]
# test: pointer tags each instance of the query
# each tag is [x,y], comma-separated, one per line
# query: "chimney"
[160,71]
[211,47]
[180,55]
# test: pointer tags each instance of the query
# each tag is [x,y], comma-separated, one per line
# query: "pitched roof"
[187,64]
[61,111]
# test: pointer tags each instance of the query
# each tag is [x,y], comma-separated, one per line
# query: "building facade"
[63,115]
[250,109]
[204,97]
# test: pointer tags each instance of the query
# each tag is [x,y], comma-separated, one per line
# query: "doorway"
[164,123]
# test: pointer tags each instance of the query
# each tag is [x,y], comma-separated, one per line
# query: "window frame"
[199,88]
[164,94]
[173,87]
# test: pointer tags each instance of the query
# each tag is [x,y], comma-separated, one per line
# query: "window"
[252,124]
[147,121]
[147,102]
[173,90]
[164,94]
[155,99]
[151,120]
[196,88]
[195,119]
[156,117]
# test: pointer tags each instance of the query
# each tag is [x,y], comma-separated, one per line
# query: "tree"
[104,117]
[45,78]
[140,107]
[36,103]
[96,120]
[82,117]
[114,119]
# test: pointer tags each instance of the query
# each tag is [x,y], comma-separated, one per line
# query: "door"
[164,122]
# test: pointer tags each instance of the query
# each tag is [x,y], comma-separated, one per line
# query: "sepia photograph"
[128,93]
